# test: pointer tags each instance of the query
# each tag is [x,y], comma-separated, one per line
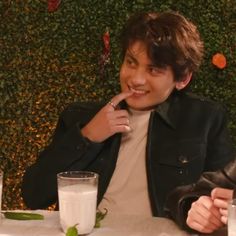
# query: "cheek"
[122,74]
[162,89]
[122,83]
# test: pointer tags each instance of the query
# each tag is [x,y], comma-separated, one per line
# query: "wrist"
[87,136]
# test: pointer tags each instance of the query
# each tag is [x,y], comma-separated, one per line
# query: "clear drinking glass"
[232,218]
[77,193]
[1,180]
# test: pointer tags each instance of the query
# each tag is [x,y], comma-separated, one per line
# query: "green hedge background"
[50,59]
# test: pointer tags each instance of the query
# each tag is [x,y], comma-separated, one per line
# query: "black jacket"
[186,136]
[180,199]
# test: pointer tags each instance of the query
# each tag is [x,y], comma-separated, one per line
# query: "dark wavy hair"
[170,38]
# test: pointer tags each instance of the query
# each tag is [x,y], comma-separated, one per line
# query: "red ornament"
[105,57]
[106,41]
[219,60]
[53,5]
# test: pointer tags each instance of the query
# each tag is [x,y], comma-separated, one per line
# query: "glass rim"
[77,175]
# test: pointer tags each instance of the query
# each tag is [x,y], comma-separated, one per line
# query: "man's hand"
[204,216]
[108,121]
[221,197]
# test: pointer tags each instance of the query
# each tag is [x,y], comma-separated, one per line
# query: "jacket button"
[183,159]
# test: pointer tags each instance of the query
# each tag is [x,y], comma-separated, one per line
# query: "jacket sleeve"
[180,199]
[68,146]
[220,148]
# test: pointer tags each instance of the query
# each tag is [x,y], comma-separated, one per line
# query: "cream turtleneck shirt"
[127,192]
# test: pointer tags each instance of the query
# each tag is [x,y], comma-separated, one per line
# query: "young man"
[148,139]
[203,206]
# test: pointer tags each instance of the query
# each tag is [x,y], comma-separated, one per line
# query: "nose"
[138,78]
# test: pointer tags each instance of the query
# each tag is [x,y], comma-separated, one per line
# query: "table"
[112,225]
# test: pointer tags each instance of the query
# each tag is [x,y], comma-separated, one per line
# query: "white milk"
[77,205]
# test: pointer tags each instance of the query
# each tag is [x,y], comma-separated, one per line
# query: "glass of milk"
[1,178]
[77,193]
[232,218]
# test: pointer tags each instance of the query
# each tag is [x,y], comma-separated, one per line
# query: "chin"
[138,107]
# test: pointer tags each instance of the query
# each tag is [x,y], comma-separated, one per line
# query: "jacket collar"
[164,109]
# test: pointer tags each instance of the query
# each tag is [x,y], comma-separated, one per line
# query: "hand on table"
[204,216]
[108,121]
[221,197]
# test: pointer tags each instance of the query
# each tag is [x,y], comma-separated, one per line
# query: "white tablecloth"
[112,225]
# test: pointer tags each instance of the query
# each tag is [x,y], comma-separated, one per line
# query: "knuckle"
[202,198]
[193,204]
[190,212]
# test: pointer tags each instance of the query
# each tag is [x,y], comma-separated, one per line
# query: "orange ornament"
[219,60]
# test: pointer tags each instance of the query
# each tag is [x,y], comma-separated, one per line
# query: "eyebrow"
[129,54]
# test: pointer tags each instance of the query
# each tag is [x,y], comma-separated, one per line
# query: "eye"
[155,71]
[129,59]
[129,62]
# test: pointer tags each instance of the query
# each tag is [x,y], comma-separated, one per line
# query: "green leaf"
[22,216]
[99,217]
[72,231]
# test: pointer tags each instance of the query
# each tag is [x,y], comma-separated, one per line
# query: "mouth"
[137,92]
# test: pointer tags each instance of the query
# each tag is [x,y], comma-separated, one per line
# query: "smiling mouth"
[137,91]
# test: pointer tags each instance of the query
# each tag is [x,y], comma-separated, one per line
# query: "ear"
[183,83]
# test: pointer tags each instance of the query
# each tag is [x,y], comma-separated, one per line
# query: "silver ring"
[112,104]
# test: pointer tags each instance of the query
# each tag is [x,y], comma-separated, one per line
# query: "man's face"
[150,85]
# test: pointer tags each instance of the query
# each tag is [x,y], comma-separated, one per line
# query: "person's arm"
[68,148]
[180,200]
[220,151]
[79,136]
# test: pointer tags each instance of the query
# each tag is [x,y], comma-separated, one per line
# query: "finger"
[112,104]
[122,121]
[204,210]
[120,97]
[222,193]
[212,213]
[210,216]
[116,115]
[199,227]
[223,212]
[120,113]
[216,220]
[220,203]
[202,222]
[196,221]
[224,219]
[121,129]
[119,121]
